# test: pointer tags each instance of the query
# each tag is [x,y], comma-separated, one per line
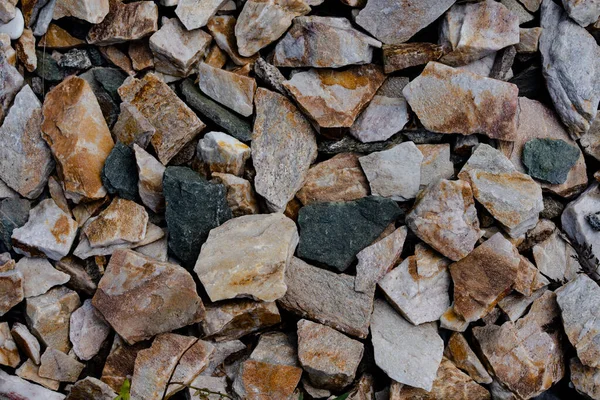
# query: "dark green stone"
[47,67]
[549,160]
[333,233]
[233,125]
[108,106]
[120,174]
[14,213]
[110,79]
[194,206]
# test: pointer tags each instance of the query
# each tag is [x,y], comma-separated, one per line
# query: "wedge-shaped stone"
[9,354]
[276,348]
[120,175]
[60,367]
[120,362]
[444,216]
[11,283]
[223,153]
[401,56]
[191,364]
[88,331]
[39,276]
[461,354]
[511,197]
[195,14]
[283,147]
[125,22]
[91,388]
[92,11]
[75,130]
[11,385]
[9,86]
[174,122]
[228,88]
[556,258]
[449,100]
[123,221]
[260,248]
[241,198]
[262,22]
[222,29]
[150,184]
[163,296]
[323,42]
[259,380]
[28,370]
[132,126]
[57,38]
[26,342]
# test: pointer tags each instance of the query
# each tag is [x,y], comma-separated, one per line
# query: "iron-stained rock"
[400,56]
[125,22]
[39,276]
[228,88]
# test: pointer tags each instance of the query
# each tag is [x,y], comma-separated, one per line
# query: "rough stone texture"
[175,123]
[48,316]
[240,194]
[550,160]
[26,342]
[394,173]
[150,185]
[190,365]
[511,197]
[25,47]
[14,213]
[60,367]
[585,379]
[232,320]
[77,134]
[57,38]
[28,370]
[9,354]
[88,331]
[177,50]
[76,59]
[472,31]
[120,362]
[519,10]
[222,350]
[214,384]
[39,276]
[11,283]
[375,261]
[14,386]
[276,348]
[578,301]
[132,126]
[8,10]
[418,288]
[140,54]
[386,114]
[14,27]
[92,11]
[260,248]
[228,88]
[409,17]
[262,381]
[528,40]
[449,100]
[154,366]
[125,22]
[283,147]
[401,56]
[123,221]
[436,163]
[10,85]
[461,354]
[323,42]
[444,216]
[223,153]
[333,233]
[119,174]
[583,12]
[483,277]
[329,357]
[555,258]
[406,353]
[163,296]
[222,28]
[333,99]
[571,66]
[91,388]
[576,223]
[49,231]
[195,14]
[327,297]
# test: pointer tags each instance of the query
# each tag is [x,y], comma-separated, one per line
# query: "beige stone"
[28,370]
[60,367]
[436,163]
[190,365]
[39,276]
[585,379]
[26,342]
[123,221]
[87,330]
[132,126]
[140,54]
[230,89]
[195,14]
[57,38]
[222,28]
[11,283]
[240,194]
[150,186]
[461,354]
[223,153]
[405,55]
[25,47]
[9,354]
[92,11]
[555,258]
[125,22]
[118,58]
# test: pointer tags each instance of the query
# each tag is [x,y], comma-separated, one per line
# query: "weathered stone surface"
[409,17]
[26,342]
[174,122]
[48,316]
[472,31]
[394,173]
[163,296]
[232,320]
[28,370]
[125,22]
[483,277]
[223,153]
[461,354]
[583,12]
[571,65]
[14,27]
[230,89]
[25,159]
[150,185]
[120,362]
[418,288]
[77,134]
[123,221]
[10,85]
[60,367]
[400,56]
[444,216]
[240,195]
[578,220]
[82,277]
[132,126]
[140,54]
[8,10]
[323,42]
[436,163]
[11,283]
[39,276]
[487,105]
[13,386]
[14,213]
[385,115]
[511,197]
[333,99]
[276,348]
[333,233]
[261,381]
[528,40]
[88,331]
[5,47]
[327,297]
[550,160]
[93,11]
[195,14]
[9,354]
[221,352]
[585,379]
[49,231]
[194,207]
[25,47]
[154,366]
[375,261]
[519,10]
[222,29]
[76,59]
[177,50]
[555,258]
[260,250]
[329,357]
[57,38]
[525,356]
[91,388]
[190,365]
[406,353]
[214,384]
[119,174]
[529,278]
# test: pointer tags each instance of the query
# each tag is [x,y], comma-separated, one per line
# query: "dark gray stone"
[194,206]
[14,213]
[594,221]
[75,58]
[333,233]
[549,159]
[109,107]
[48,68]
[552,208]
[270,76]
[348,144]
[110,79]
[120,174]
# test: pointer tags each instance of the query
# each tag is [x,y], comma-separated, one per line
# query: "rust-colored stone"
[405,55]
[263,381]
[57,38]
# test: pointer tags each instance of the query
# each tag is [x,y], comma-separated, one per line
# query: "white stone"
[150,186]
[39,276]
[223,153]
[14,27]
[575,224]
[88,331]
[436,163]
[228,88]
[11,385]
[555,258]
[195,14]
[59,366]
[26,342]
[582,12]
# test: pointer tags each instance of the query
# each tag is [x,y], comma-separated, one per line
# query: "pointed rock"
[241,198]
[88,331]
[461,354]
[123,221]
[190,365]
[57,38]
[228,88]
[92,11]
[9,354]
[10,85]
[26,342]
[150,185]
[11,385]
[39,276]
[60,367]
[222,29]
[125,22]
[223,153]
[195,14]
[26,50]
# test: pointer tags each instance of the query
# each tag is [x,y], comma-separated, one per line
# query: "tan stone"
[77,134]
[240,194]
[25,47]
[222,28]
[120,362]
[11,293]
[141,55]
[5,47]
[60,367]
[58,194]
[28,370]
[461,354]
[150,186]
[585,379]
[405,55]
[528,40]
[57,38]
[263,381]
[39,276]
[26,342]
[223,153]
[529,278]
[125,22]
[9,354]
[91,388]
[123,221]
[215,57]
[555,258]
[191,364]
[118,58]
[83,211]
[228,88]
[132,126]
[93,11]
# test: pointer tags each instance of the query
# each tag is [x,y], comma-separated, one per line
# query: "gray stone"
[45,16]
[519,10]
[75,58]
[228,88]
[14,27]
[14,213]
[8,10]
[270,76]
[276,348]
[195,14]
[217,385]
[88,331]
[39,276]
[549,159]
[585,379]
[223,153]
[583,12]
[11,385]
[222,350]
[28,370]
[60,367]
[555,258]
[190,365]
[576,226]
[125,22]
[436,163]
[91,388]
[47,67]
[120,174]
[10,84]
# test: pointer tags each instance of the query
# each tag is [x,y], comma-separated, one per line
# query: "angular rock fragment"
[222,29]
[5,47]
[444,216]
[240,195]
[333,233]
[222,350]
[39,276]
[436,163]
[223,153]
[174,122]
[400,56]
[140,54]
[11,283]
[26,342]
[230,89]
[92,11]
[82,279]
[259,380]
[9,354]
[57,38]
[276,348]
[260,250]
[217,385]
[49,231]
[28,370]
[549,160]
[120,362]
[8,10]
[461,354]
[585,379]
[125,22]
[487,105]
[519,10]
[91,388]
[232,320]
[150,185]
[394,173]
[76,59]
[26,50]
[528,40]
[11,385]
[582,12]
[14,213]
[409,17]
[119,174]
[117,57]
[190,365]
[14,27]
[195,14]
[123,221]
[556,258]
[511,197]
[408,354]
[10,85]
[60,367]
[88,331]
[579,220]
[77,134]
[48,316]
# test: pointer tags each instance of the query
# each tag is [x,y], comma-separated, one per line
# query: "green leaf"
[124,391]
[343,396]
[301,396]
